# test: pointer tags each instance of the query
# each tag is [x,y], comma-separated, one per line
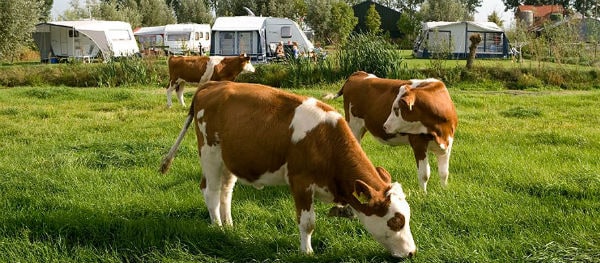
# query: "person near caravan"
[295,50]
[279,52]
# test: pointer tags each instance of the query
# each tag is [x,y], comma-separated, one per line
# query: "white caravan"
[187,38]
[256,36]
[86,40]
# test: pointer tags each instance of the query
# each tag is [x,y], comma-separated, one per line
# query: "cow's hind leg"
[173,85]
[419,143]
[212,170]
[180,89]
[227,183]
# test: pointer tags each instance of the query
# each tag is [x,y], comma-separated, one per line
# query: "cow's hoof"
[344,211]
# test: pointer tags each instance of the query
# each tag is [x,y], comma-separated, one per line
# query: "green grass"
[79,182]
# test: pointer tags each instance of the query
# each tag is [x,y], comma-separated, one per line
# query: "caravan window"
[286,32]
[178,37]
[207,35]
[73,33]
[491,42]
[117,34]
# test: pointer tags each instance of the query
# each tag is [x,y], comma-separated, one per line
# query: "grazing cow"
[395,112]
[201,69]
[265,136]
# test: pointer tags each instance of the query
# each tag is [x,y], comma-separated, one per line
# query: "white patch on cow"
[307,116]
[357,125]
[396,124]
[279,177]
[371,76]
[321,193]
[417,82]
[424,172]
[201,125]
[399,243]
[248,68]
[306,226]
[210,68]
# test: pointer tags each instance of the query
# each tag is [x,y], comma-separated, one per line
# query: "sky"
[487,7]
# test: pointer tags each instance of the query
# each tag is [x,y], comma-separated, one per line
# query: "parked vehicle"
[257,37]
[187,38]
[85,40]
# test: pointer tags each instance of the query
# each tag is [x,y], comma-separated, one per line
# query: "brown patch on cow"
[396,223]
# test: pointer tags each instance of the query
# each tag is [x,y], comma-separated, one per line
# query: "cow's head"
[386,215]
[405,100]
[246,65]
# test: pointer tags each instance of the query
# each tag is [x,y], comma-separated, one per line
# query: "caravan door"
[238,42]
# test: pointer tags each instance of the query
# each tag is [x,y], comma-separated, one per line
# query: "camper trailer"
[85,40]
[256,36]
[452,39]
[151,39]
[187,38]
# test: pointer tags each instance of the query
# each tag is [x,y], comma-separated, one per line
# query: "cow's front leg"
[443,159]
[305,215]
[419,142]
[227,184]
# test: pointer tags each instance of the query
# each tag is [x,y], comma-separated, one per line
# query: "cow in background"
[201,69]
[396,112]
[265,136]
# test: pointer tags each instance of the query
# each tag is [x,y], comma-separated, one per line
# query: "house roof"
[542,10]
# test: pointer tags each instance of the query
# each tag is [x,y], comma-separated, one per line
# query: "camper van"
[184,38]
[85,40]
[256,36]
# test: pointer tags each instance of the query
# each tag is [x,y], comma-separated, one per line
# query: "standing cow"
[265,136]
[201,69]
[395,112]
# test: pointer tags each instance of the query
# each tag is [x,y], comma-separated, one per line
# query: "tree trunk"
[475,40]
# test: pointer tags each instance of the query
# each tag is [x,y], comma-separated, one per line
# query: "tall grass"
[79,183]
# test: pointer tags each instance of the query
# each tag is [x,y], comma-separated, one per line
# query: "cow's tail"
[331,96]
[168,159]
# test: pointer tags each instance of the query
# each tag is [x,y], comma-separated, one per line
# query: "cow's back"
[189,68]
[370,98]
[250,122]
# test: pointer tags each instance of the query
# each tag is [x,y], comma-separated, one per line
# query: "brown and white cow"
[395,112]
[265,136]
[201,69]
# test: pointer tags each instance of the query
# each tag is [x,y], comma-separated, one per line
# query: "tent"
[452,38]
[84,40]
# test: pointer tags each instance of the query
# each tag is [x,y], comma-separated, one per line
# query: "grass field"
[79,182]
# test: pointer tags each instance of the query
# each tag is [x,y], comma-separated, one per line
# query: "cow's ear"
[362,192]
[409,99]
[385,176]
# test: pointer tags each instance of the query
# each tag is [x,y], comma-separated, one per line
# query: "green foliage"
[371,53]
[343,22]
[193,11]
[157,13]
[373,20]
[446,10]
[18,19]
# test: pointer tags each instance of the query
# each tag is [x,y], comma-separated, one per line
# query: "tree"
[18,19]
[156,13]
[193,11]
[342,22]
[445,10]
[75,12]
[46,7]
[494,17]
[318,17]
[116,10]
[410,25]
[373,20]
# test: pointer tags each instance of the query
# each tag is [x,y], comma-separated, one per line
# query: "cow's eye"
[397,111]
